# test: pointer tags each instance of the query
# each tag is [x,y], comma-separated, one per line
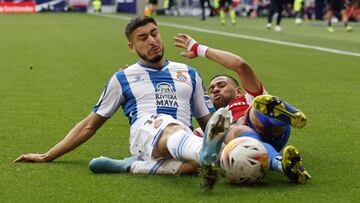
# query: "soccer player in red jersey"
[255,113]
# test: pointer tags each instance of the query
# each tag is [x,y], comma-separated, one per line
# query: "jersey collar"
[152,68]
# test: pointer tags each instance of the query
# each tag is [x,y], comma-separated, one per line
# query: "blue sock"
[267,121]
[276,165]
[275,158]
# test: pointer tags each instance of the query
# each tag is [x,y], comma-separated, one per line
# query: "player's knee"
[238,129]
[161,147]
[235,131]
[189,168]
[169,131]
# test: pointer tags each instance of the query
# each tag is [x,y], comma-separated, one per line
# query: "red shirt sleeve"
[259,92]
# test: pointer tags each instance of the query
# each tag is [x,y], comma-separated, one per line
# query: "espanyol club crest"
[181,77]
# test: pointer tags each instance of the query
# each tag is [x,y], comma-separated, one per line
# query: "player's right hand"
[186,42]
[35,158]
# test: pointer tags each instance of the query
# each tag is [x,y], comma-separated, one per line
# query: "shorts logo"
[181,77]
[165,95]
[157,123]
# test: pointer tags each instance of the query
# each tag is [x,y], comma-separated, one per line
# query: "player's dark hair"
[228,76]
[137,22]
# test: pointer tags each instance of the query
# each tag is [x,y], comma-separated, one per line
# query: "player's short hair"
[228,76]
[137,22]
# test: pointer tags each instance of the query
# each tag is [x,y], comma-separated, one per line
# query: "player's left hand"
[35,158]
[186,42]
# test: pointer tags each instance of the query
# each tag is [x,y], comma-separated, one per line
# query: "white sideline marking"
[260,39]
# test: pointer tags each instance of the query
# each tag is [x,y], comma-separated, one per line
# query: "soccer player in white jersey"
[159,97]
[251,120]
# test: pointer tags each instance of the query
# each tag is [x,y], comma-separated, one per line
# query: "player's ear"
[238,91]
[131,46]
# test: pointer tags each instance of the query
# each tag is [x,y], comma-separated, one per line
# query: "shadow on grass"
[71,162]
[272,183]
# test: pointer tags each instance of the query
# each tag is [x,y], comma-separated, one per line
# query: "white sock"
[161,166]
[184,146]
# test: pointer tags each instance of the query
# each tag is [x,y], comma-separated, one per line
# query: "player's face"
[222,90]
[146,42]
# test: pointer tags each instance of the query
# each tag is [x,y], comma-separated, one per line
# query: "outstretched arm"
[78,135]
[226,59]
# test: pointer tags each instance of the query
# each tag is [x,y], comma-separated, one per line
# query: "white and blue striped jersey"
[176,89]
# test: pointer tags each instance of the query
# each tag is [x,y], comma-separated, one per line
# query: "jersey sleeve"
[111,99]
[202,102]
[249,96]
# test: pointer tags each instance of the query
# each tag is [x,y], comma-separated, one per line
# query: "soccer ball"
[245,160]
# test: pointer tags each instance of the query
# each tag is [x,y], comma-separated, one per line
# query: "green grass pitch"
[73,55]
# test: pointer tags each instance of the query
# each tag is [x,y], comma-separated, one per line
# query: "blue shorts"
[278,143]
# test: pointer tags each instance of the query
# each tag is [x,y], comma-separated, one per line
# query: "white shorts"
[162,166]
[146,131]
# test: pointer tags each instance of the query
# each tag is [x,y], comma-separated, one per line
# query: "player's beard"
[218,105]
[223,102]
[154,59]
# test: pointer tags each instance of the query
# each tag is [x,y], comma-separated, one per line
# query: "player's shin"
[268,121]
[232,15]
[222,16]
[275,158]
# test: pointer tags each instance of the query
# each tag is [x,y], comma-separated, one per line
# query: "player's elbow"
[84,129]
[241,65]
[92,123]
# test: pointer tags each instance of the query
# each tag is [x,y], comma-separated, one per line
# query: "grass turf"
[73,55]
